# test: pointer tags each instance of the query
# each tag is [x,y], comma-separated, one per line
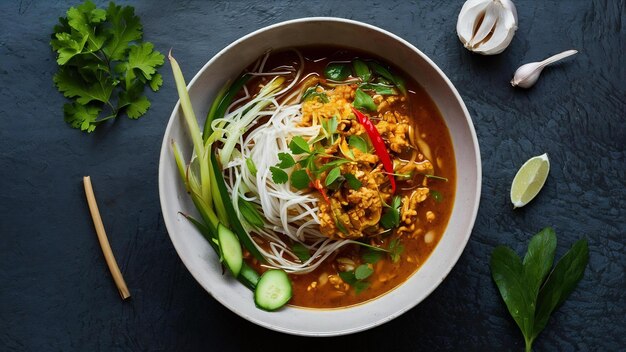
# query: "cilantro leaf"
[125,28]
[371,256]
[81,116]
[348,277]
[286,161]
[103,64]
[332,175]
[299,146]
[278,175]
[300,179]
[353,182]
[437,196]
[395,249]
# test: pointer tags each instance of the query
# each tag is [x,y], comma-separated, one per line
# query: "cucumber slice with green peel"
[273,290]
[230,249]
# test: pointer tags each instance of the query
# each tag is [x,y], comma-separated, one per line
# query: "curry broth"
[322,288]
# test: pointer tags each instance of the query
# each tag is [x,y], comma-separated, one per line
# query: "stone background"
[55,289]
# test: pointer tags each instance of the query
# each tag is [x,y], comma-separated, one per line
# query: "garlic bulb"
[526,75]
[487,26]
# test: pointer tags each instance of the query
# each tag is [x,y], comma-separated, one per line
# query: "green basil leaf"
[299,146]
[362,100]
[538,260]
[363,271]
[348,277]
[382,71]
[278,175]
[332,175]
[437,196]
[286,161]
[561,282]
[353,182]
[381,89]
[311,93]
[250,213]
[360,286]
[301,251]
[300,179]
[371,256]
[507,273]
[337,71]
[361,70]
[358,142]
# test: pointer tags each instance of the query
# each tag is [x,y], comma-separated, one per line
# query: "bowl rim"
[455,255]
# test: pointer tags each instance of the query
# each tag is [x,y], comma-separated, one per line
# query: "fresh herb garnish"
[301,251]
[395,249]
[286,161]
[329,126]
[337,71]
[362,100]
[435,177]
[299,145]
[300,179]
[103,63]
[250,213]
[391,217]
[358,142]
[278,175]
[353,182]
[332,175]
[371,256]
[356,278]
[361,70]
[437,196]
[382,71]
[530,291]
[379,88]
[312,92]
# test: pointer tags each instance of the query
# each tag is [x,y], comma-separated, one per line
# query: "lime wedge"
[529,180]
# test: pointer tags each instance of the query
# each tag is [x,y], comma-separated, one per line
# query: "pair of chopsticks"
[104,241]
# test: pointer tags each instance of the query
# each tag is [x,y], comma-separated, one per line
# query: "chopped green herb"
[358,142]
[312,92]
[391,217]
[363,271]
[332,175]
[349,277]
[330,128]
[337,71]
[300,179]
[529,296]
[299,146]
[395,249]
[301,251]
[371,256]
[361,70]
[286,161]
[382,71]
[250,213]
[278,175]
[437,196]
[362,100]
[381,89]
[103,63]
[436,177]
[251,166]
[353,182]
[332,164]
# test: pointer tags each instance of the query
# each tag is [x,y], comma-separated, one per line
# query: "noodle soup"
[344,176]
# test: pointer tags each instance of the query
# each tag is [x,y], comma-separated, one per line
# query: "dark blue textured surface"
[55,289]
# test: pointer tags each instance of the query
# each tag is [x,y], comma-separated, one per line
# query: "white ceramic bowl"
[200,259]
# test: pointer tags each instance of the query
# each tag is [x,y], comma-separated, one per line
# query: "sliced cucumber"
[273,290]
[230,249]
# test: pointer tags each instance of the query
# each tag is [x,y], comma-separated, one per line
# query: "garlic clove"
[487,26]
[528,74]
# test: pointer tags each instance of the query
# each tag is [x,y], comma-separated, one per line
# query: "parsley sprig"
[103,64]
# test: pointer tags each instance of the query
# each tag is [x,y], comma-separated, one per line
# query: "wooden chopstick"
[104,241]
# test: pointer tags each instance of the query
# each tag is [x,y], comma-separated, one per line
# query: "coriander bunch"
[103,64]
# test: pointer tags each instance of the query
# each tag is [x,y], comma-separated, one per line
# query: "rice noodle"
[289,215]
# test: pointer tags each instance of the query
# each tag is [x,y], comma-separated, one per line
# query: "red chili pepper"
[317,184]
[379,145]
